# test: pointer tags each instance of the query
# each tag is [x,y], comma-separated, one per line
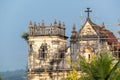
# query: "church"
[49,57]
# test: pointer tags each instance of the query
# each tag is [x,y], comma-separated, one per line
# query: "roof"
[103,33]
[111,37]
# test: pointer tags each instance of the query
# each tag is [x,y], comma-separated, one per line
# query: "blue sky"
[16,14]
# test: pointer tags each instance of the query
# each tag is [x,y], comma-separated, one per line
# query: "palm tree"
[100,68]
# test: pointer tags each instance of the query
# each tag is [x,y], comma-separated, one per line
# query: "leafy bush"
[25,36]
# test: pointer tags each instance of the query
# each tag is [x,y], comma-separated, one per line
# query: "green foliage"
[25,36]
[72,75]
[1,78]
[99,68]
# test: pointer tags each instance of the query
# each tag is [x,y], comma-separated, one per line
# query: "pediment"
[87,29]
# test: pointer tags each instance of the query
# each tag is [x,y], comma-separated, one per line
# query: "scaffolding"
[60,71]
[53,66]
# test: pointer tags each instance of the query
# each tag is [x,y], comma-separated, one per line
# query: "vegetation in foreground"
[1,78]
[99,68]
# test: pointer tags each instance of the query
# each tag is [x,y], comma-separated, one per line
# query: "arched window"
[62,55]
[43,51]
[88,53]
[31,48]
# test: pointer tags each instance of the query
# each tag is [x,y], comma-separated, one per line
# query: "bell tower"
[45,44]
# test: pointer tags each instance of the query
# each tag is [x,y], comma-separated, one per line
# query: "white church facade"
[48,52]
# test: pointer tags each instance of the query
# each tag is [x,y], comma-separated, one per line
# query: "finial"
[55,22]
[103,25]
[59,23]
[63,25]
[73,36]
[30,22]
[35,24]
[43,23]
[88,12]
[74,27]
[30,25]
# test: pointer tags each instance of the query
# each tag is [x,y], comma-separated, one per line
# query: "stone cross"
[88,11]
